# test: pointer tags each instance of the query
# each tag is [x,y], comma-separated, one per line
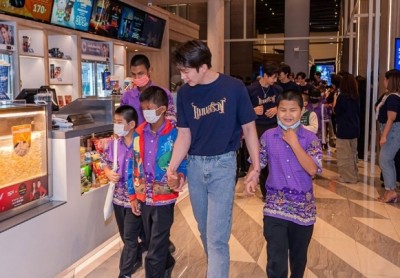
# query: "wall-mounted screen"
[326,70]
[397,54]
[131,25]
[153,31]
[105,18]
[73,14]
[34,9]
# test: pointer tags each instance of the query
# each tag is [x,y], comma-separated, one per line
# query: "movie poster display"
[131,25]
[7,34]
[105,18]
[73,14]
[34,9]
[153,31]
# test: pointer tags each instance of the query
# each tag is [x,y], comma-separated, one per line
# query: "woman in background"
[388,111]
[346,106]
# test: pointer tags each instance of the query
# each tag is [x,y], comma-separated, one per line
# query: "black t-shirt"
[306,89]
[214,113]
[265,96]
[392,103]
[290,86]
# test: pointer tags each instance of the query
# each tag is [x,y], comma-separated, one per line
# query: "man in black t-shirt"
[284,81]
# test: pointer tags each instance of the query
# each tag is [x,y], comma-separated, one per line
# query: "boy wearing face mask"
[140,72]
[293,155]
[150,194]
[129,225]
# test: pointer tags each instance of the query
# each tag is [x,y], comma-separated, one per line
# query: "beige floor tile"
[383,226]
[262,260]
[393,211]
[344,249]
[321,192]
[396,225]
[373,264]
[323,229]
[238,252]
[375,206]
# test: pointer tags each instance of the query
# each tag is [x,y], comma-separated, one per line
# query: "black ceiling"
[270,16]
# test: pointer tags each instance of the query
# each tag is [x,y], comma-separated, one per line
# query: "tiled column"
[297,18]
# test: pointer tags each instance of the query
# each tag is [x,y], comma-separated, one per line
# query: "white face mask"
[119,130]
[151,116]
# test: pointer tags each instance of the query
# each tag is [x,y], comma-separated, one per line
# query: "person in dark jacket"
[346,106]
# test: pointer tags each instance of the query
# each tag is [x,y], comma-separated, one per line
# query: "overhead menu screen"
[105,18]
[153,31]
[73,14]
[34,9]
[131,25]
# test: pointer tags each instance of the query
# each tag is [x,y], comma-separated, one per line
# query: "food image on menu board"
[105,18]
[73,14]
[35,9]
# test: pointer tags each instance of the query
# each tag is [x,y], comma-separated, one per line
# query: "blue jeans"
[212,183]
[387,154]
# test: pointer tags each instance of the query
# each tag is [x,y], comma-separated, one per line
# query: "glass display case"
[24,158]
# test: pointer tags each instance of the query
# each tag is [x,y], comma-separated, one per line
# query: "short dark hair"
[128,113]
[270,69]
[317,73]
[156,95]
[301,74]
[291,95]
[315,92]
[140,59]
[192,54]
[285,69]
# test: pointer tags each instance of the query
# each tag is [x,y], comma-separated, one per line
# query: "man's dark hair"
[285,69]
[317,73]
[156,95]
[128,113]
[192,54]
[291,95]
[140,59]
[301,74]
[270,69]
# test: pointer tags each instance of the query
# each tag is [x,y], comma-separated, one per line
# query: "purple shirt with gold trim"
[289,187]
[121,196]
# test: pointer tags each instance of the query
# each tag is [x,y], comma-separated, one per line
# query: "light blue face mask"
[294,126]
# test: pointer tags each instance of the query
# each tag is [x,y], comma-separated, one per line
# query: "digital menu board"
[73,14]
[397,54]
[34,9]
[131,25]
[153,31]
[105,18]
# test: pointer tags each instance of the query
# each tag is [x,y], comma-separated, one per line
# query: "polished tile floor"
[355,235]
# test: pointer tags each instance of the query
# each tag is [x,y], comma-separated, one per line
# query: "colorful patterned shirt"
[289,187]
[151,156]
